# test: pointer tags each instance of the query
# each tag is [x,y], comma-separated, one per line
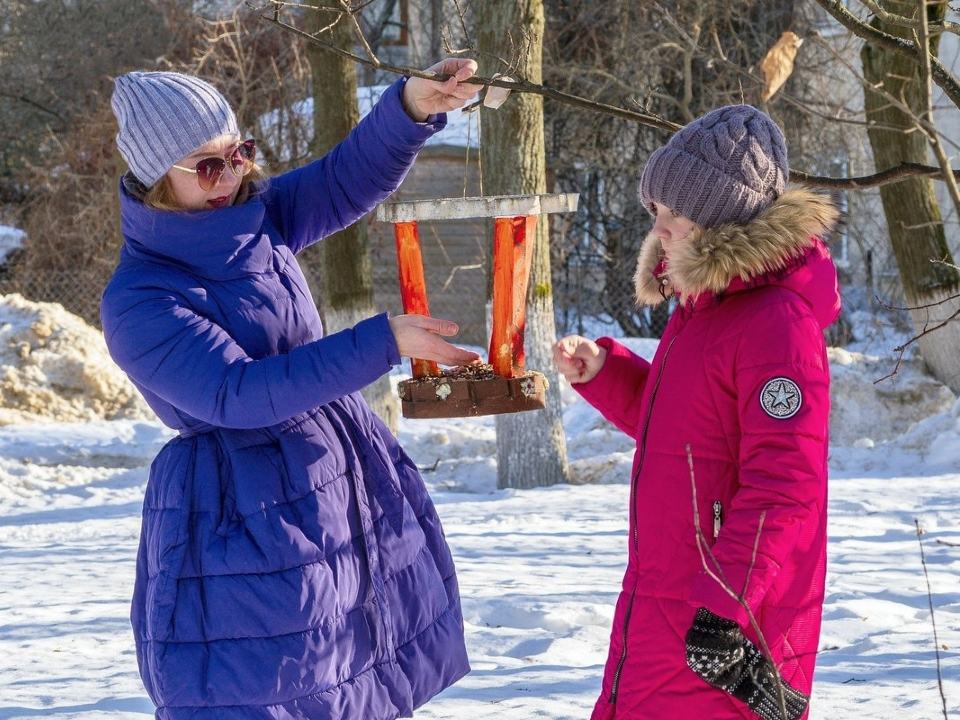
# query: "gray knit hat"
[165,116]
[725,167]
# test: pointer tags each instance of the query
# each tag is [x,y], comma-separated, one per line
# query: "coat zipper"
[717,518]
[635,531]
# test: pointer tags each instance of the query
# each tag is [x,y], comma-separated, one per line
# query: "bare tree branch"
[944,79]
[927,329]
[890,18]
[515,85]
[924,124]
[891,175]
[32,103]
[903,171]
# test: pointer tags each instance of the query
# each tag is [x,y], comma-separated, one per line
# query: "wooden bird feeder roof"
[477,207]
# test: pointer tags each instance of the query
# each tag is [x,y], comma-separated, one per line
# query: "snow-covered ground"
[539,569]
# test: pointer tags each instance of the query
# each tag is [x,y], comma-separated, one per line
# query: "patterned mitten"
[718,652]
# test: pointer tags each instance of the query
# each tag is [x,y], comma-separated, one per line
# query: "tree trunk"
[911,208]
[342,261]
[531,446]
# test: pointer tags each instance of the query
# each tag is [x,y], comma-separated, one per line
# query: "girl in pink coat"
[719,615]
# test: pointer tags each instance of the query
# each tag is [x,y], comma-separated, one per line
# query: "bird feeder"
[503,384]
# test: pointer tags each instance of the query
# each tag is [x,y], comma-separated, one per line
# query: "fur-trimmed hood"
[727,257]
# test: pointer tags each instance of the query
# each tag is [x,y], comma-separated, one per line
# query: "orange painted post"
[524,229]
[512,252]
[413,286]
[503,267]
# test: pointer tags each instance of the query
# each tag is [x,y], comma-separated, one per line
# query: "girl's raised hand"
[578,359]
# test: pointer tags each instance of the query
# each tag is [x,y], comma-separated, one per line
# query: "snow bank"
[868,407]
[55,367]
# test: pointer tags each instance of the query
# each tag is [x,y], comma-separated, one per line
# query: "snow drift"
[55,367]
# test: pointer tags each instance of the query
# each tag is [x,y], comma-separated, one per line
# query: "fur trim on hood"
[714,257]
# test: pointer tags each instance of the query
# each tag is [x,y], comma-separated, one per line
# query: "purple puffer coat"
[291,563]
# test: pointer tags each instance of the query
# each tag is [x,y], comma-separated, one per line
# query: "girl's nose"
[659,229]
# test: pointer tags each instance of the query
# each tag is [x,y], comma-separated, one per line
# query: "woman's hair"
[161,197]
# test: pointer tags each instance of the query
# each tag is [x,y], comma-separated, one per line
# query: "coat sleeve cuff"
[406,126]
[708,593]
[376,332]
[606,383]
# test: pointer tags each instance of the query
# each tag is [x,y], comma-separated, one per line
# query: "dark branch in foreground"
[638,116]
[899,173]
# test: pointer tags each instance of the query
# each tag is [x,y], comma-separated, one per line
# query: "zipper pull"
[717,518]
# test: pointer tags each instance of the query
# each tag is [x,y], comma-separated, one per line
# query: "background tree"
[58,60]
[595,53]
[342,261]
[917,233]
[67,186]
[900,59]
[531,447]
[58,161]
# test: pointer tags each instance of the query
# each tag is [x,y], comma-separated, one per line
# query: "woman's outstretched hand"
[422,98]
[419,336]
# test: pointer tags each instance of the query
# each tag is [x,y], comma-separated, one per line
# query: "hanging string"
[466,162]
[473,113]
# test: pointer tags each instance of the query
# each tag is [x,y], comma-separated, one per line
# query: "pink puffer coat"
[731,416]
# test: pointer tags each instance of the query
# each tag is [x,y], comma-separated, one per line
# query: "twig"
[890,18]
[455,270]
[509,67]
[878,88]
[927,330]
[719,576]
[933,622]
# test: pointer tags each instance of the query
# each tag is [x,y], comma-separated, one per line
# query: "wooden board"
[471,391]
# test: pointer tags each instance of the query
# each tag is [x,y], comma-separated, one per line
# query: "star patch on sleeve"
[781,398]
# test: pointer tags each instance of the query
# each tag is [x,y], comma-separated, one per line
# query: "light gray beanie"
[165,116]
[725,167]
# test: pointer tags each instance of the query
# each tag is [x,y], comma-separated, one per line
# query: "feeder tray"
[470,391]
[503,385]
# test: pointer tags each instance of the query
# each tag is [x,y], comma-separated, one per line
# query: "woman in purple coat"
[291,563]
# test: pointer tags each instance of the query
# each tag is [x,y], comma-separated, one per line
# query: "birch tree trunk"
[342,261]
[911,209]
[531,446]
